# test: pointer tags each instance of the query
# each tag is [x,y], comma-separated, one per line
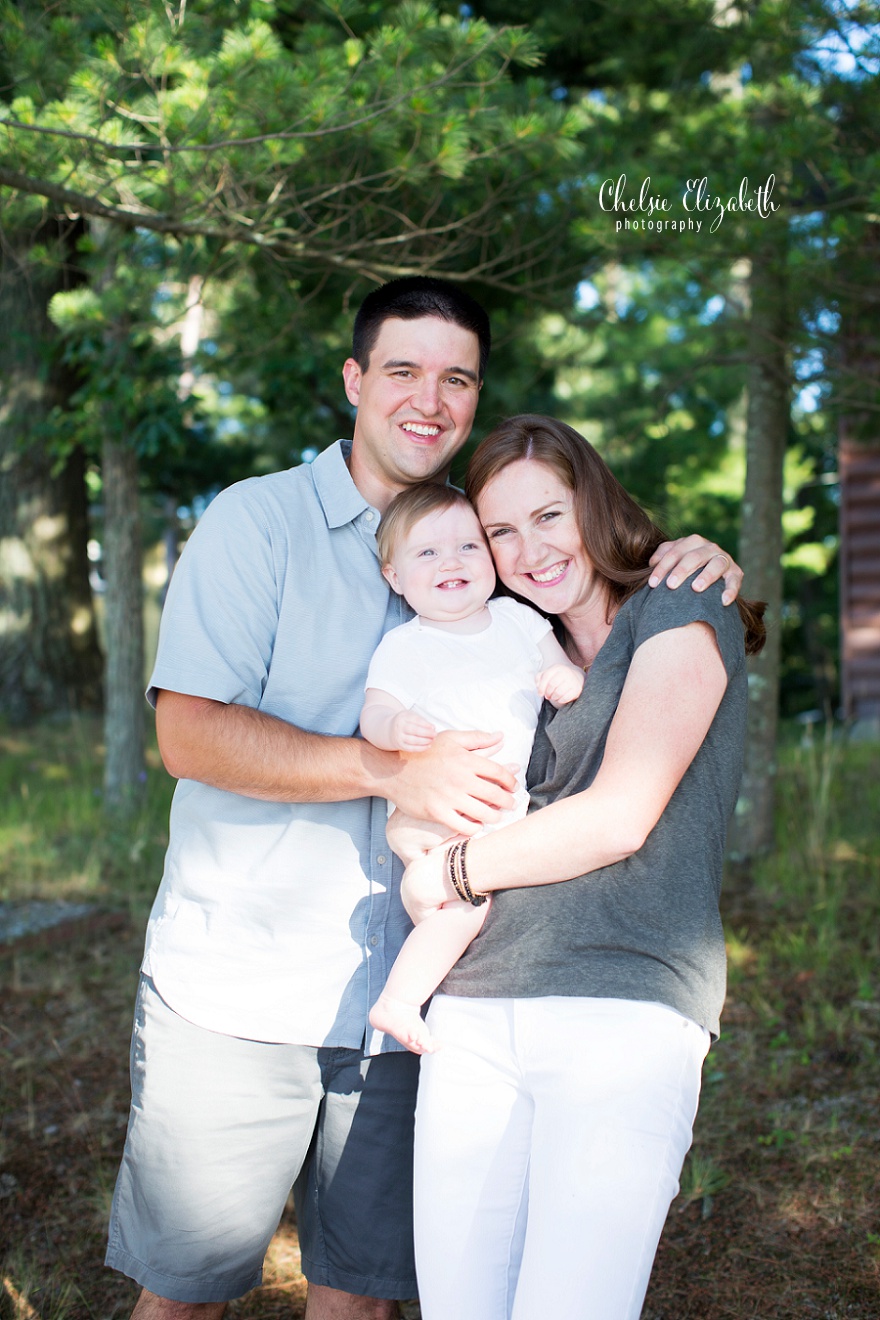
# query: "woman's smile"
[549,576]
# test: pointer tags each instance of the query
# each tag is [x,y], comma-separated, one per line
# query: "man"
[253,1063]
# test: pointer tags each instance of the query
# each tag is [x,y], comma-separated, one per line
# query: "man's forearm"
[245,751]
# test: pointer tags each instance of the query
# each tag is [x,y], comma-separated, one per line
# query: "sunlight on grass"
[55,841]
[31,1297]
[740,954]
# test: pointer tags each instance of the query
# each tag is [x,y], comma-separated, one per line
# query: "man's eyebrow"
[394,363]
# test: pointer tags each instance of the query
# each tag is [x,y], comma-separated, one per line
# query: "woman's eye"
[549,515]
[497,532]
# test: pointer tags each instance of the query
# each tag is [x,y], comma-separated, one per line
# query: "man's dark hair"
[411,297]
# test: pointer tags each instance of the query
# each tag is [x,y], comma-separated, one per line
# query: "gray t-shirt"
[646,928]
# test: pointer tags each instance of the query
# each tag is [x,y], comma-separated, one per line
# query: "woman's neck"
[587,630]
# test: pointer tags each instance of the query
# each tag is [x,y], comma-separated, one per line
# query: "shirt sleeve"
[663,609]
[393,668]
[533,624]
[220,618]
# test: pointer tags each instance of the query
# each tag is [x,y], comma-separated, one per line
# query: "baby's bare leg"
[430,951]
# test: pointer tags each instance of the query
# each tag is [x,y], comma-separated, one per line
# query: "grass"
[54,840]
[779,1215]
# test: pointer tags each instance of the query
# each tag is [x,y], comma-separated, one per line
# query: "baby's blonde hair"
[408,508]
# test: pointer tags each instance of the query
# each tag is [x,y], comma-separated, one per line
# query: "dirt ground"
[779,1217]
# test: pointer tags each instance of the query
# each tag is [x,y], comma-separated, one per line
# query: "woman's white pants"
[550,1134]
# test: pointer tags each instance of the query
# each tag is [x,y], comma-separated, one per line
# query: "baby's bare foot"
[404,1022]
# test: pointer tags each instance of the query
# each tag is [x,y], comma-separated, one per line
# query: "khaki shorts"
[220,1129]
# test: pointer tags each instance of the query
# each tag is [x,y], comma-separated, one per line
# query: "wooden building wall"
[860,580]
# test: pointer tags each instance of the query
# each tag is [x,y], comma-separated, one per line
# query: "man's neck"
[376,489]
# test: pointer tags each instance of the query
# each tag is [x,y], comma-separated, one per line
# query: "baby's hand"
[411,733]
[560,684]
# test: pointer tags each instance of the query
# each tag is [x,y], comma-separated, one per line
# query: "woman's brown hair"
[618,536]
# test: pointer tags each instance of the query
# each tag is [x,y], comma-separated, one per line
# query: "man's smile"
[426,430]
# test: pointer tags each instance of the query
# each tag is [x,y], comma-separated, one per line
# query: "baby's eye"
[472,545]
[426,554]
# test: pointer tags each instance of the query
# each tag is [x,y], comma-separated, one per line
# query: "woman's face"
[528,515]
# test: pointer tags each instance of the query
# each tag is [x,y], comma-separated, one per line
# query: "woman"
[555,1117]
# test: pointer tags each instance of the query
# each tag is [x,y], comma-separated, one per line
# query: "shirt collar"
[340,498]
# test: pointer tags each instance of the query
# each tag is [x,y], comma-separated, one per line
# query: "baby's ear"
[391,578]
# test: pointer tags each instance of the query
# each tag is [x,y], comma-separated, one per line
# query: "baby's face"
[443,567]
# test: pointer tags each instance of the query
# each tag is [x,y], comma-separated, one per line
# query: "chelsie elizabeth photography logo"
[649,210]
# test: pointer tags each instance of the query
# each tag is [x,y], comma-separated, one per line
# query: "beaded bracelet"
[458,875]
[454,880]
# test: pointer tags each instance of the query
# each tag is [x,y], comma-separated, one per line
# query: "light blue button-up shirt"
[278,921]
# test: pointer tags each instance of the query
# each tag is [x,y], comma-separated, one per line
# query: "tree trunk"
[124,773]
[760,551]
[50,661]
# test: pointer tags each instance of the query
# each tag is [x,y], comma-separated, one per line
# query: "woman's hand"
[677,560]
[426,885]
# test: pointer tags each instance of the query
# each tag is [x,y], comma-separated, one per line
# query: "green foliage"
[294,134]
[655,370]
[293,153]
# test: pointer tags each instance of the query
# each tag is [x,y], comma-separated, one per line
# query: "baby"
[465,662]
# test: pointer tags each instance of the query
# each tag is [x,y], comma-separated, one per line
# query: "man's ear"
[391,578]
[351,378]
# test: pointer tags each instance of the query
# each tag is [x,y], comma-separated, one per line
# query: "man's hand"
[677,560]
[244,751]
[449,784]
[560,684]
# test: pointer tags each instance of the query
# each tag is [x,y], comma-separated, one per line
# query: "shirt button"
[370,515]
[381,859]
[374,940]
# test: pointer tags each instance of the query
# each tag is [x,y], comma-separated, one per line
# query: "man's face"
[415,404]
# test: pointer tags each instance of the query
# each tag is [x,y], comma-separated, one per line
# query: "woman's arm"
[674,686]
